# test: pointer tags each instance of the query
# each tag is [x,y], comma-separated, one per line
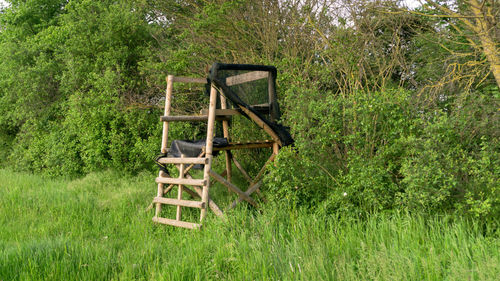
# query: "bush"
[454,164]
[370,152]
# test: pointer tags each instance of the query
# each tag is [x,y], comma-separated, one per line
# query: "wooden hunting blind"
[234,89]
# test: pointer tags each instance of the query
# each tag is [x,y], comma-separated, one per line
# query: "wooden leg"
[276,148]
[228,165]
[179,192]
[225,129]
[159,194]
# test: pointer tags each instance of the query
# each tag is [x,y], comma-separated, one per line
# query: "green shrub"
[370,152]
[348,148]
[454,164]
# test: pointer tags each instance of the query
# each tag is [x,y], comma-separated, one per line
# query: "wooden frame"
[199,188]
[246,77]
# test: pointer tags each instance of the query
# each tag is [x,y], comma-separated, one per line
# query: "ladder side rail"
[179,191]
[209,149]
[164,139]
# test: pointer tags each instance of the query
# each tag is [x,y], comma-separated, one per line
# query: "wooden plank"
[235,111]
[244,146]
[184,224]
[188,118]
[225,129]
[246,77]
[180,181]
[222,112]
[261,108]
[181,79]
[233,187]
[179,202]
[186,160]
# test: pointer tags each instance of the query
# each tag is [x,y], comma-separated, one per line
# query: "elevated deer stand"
[224,80]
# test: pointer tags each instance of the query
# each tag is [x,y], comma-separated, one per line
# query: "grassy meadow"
[96,228]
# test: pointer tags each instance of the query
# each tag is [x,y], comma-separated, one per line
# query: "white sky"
[3,3]
[410,3]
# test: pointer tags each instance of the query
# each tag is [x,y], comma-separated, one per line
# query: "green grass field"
[96,228]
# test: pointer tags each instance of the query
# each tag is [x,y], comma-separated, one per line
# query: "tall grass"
[96,228]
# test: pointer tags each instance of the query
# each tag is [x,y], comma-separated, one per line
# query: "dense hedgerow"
[381,115]
[375,151]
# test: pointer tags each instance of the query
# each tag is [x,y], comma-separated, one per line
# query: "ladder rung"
[184,224]
[186,160]
[192,118]
[180,181]
[246,77]
[178,202]
[189,80]
[222,112]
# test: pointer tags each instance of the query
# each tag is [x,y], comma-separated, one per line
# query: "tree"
[477,20]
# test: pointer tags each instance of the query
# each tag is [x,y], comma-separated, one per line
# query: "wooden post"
[225,128]
[179,192]
[168,103]
[208,150]
[276,148]
[272,101]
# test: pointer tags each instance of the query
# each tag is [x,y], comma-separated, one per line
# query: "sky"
[410,3]
[2,3]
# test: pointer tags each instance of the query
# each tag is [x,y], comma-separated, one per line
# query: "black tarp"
[193,148]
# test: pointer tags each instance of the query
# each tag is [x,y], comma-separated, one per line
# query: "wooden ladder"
[201,186]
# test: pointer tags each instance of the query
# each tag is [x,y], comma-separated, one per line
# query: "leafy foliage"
[390,109]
